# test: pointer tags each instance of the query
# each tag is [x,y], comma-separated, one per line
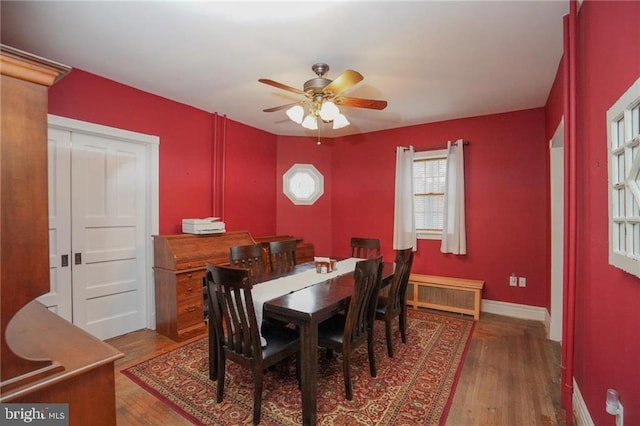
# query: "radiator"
[445,293]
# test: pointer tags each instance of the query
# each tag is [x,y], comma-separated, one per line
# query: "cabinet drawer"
[191,331]
[190,312]
[189,284]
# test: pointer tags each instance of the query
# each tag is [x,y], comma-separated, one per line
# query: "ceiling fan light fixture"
[323,98]
[340,121]
[296,113]
[329,111]
[310,122]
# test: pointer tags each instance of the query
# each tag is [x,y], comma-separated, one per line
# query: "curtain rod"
[433,148]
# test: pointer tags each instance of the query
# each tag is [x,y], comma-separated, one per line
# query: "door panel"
[58,299]
[109,205]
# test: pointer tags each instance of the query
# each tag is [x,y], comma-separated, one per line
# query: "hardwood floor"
[511,376]
[134,405]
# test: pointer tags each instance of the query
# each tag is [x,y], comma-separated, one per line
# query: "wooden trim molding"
[25,66]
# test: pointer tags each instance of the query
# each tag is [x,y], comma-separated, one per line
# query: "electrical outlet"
[513,280]
[522,281]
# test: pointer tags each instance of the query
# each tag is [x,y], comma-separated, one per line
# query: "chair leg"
[257,396]
[299,370]
[372,354]
[213,360]
[387,329]
[220,381]
[346,372]
[403,324]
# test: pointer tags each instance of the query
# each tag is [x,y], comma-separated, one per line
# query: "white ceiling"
[431,61]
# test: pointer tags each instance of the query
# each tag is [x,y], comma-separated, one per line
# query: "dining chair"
[345,333]
[394,303]
[282,255]
[249,256]
[236,334]
[365,248]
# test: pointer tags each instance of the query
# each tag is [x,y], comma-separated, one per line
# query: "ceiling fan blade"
[281,107]
[342,83]
[281,86]
[360,102]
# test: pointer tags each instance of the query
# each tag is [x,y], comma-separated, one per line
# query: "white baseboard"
[580,410]
[514,310]
[547,323]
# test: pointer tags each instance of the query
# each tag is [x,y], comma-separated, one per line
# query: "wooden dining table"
[307,308]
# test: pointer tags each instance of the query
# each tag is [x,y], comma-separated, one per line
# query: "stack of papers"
[208,225]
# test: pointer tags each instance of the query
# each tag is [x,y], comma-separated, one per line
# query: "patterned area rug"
[413,388]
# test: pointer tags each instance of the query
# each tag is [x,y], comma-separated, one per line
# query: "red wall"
[554,109]
[314,222]
[506,193]
[607,337]
[506,198]
[250,179]
[186,156]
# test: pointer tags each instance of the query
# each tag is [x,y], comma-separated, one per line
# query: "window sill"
[429,236]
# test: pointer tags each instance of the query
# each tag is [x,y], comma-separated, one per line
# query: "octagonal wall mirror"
[303,184]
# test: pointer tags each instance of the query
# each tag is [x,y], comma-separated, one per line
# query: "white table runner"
[268,290]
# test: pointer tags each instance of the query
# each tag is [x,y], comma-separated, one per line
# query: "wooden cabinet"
[43,357]
[85,376]
[180,262]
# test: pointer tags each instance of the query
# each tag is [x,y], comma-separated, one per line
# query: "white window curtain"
[404,228]
[454,239]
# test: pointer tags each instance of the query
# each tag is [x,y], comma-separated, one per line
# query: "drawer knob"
[190,289]
[189,275]
[191,308]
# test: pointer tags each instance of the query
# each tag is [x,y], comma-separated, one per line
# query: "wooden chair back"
[394,303]
[235,332]
[234,314]
[397,295]
[365,248]
[282,255]
[361,311]
[250,257]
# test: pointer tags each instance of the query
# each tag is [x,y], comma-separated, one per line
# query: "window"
[623,140]
[303,184]
[429,173]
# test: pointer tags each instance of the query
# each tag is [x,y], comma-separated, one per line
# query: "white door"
[103,209]
[108,199]
[58,299]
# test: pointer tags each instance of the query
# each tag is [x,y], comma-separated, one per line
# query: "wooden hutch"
[44,359]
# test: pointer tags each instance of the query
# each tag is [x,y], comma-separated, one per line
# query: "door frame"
[556,206]
[152,151]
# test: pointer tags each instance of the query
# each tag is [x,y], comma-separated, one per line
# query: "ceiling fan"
[322,98]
